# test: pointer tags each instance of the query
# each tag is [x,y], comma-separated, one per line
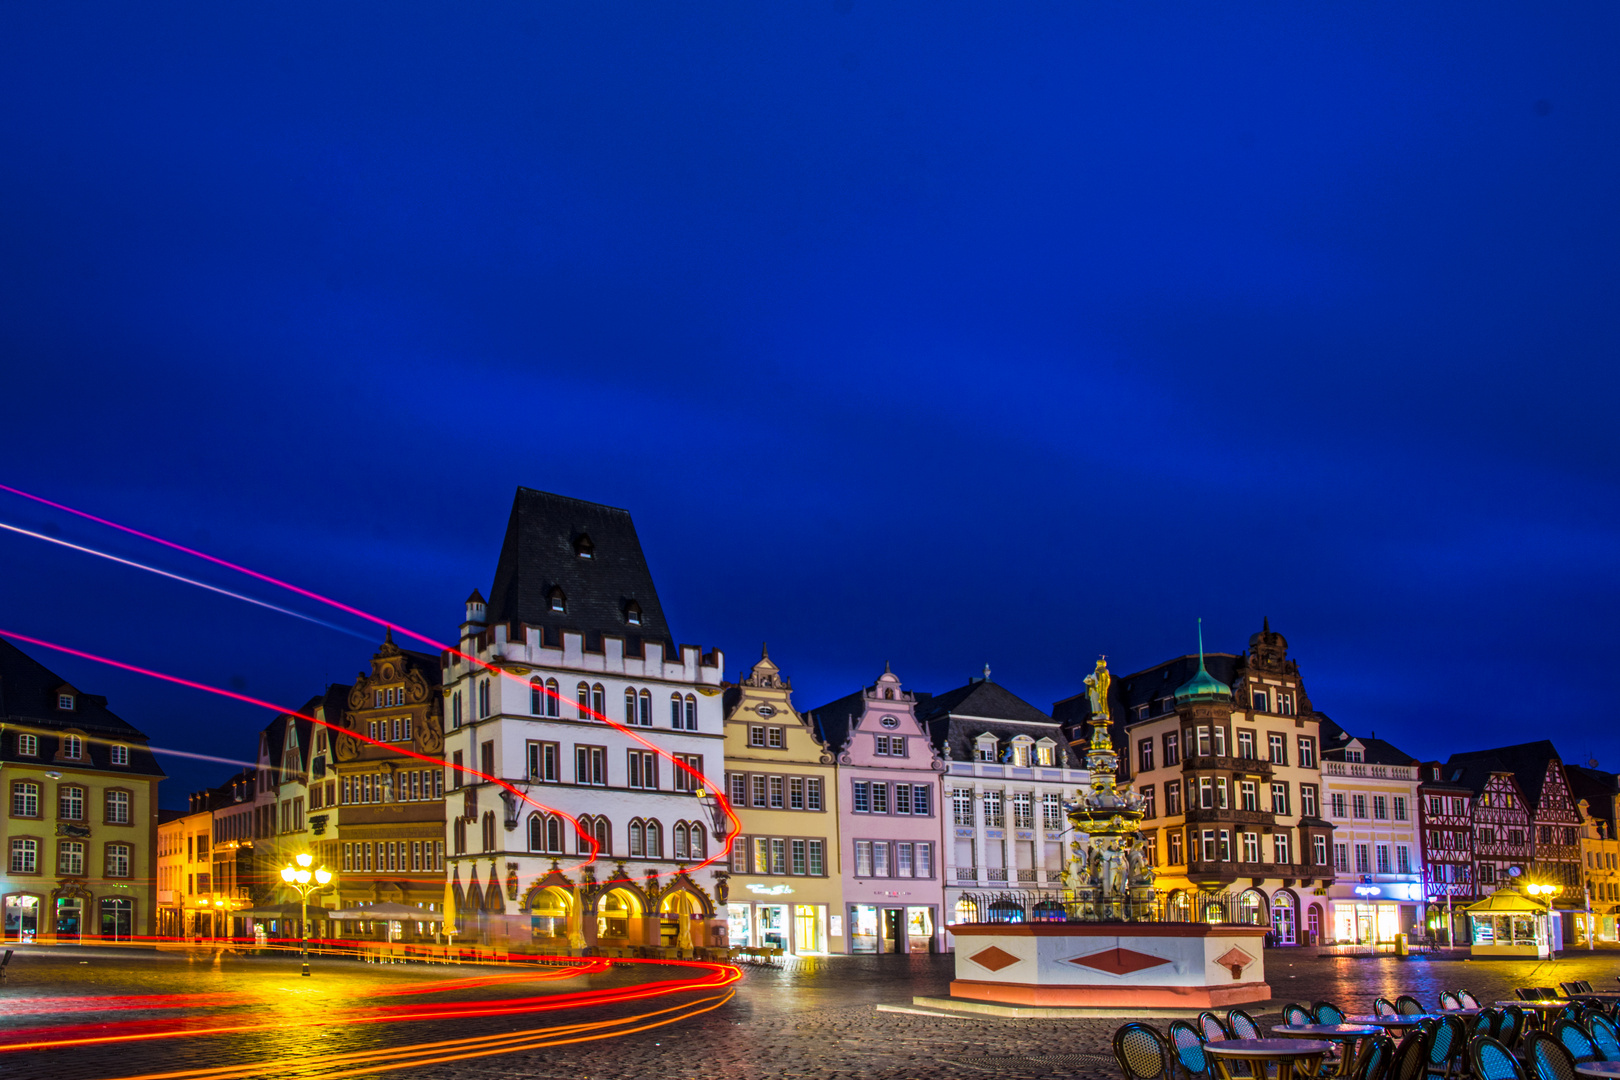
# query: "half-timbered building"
[1502,824]
[1446,821]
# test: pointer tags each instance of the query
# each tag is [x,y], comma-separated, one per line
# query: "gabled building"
[1224,749]
[889,818]
[1596,793]
[385,809]
[1502,823]
[1010,770]
[1554,832]
[574,630]
[784,889]
[81,827]
[1446,818]
[1370,790]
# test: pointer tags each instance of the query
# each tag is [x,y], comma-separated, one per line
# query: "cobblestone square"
[814,1017]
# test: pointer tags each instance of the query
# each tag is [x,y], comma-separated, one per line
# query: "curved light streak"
[721,799]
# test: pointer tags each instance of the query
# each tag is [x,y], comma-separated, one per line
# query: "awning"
[1507,902]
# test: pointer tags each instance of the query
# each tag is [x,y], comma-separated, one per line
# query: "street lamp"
[305,881]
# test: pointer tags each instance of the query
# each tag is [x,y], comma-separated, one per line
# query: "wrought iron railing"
[1180,906]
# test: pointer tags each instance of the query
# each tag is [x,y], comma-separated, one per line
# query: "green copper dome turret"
[1202,686]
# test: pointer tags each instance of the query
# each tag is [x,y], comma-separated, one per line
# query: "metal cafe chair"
[1490,1060]
[1548,1060]
[1449,1002]
[1294,1015]
[1605,1036]
[1373,1059]
[1407,1005]
[1446,1046]
[1212,1027]
[1189,1048]
[1384,1007]
[1242,1025]
[1325,1012]
[1142,1053]
[1574,1038]
[1511,1029]
[1469,1001]
[1411,1057]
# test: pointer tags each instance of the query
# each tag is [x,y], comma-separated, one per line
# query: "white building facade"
[1370,795]
[574,631]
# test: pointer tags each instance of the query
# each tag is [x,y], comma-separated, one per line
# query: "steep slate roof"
[1335,740]
[539,553]
[1526,761]
[28,697]
[956,718]
[1597,787]
[832,721]
[335,699]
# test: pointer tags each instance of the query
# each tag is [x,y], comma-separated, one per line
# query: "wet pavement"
[814,1017]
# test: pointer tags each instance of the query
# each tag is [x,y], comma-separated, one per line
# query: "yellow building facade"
[783,887]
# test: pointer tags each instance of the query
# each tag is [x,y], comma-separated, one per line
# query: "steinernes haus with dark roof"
[81,823]
[574,625]
[1010,770]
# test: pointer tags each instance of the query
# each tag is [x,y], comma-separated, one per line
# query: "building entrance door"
[1282,919]
[69,919]
[894,930]
[806,929]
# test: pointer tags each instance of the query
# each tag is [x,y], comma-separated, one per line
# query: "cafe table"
[1538,1011]
[1286,1054]
[1598,1068]
[1401,1020]
[1348,1034]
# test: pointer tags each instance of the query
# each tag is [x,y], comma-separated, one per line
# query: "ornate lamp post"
[305,881]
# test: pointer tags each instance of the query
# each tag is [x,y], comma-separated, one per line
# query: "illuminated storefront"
[881,929]
[1376,914]
[794,928]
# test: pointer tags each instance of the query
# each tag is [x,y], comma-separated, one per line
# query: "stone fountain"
[1110,951]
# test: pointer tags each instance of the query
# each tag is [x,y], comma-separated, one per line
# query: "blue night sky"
[932,333]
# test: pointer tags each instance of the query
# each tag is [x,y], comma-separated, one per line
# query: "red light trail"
[706,784]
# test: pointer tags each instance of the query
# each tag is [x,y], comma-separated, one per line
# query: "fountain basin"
[1160,965]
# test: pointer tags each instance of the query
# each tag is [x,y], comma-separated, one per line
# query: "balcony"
[1230,816]
[1225,873]
[967,875]
[1370,772]
[1210,762]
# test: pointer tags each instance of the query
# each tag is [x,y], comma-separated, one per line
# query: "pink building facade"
[889,824]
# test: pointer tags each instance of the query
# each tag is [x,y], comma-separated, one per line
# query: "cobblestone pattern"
[811,1018]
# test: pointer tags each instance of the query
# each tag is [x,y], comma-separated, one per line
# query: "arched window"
[691,713]
[630,705]
[553,697]
[581,843]
[632,613]
[583,693]
[461,836]
[537,698]
[646,709]
[599,699]
[557,600]
[696,843]
[604,837]
[680,840]
[537,838]
[554,841]
[655,841]
[675,712]
[637,834]
[489,830]
[967,911]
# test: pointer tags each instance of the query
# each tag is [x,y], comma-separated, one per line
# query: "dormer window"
[72,746]
[120,755]
[985,750]
[64,702]
[632,613]
[557,600]
[584,548]
[1352,755]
